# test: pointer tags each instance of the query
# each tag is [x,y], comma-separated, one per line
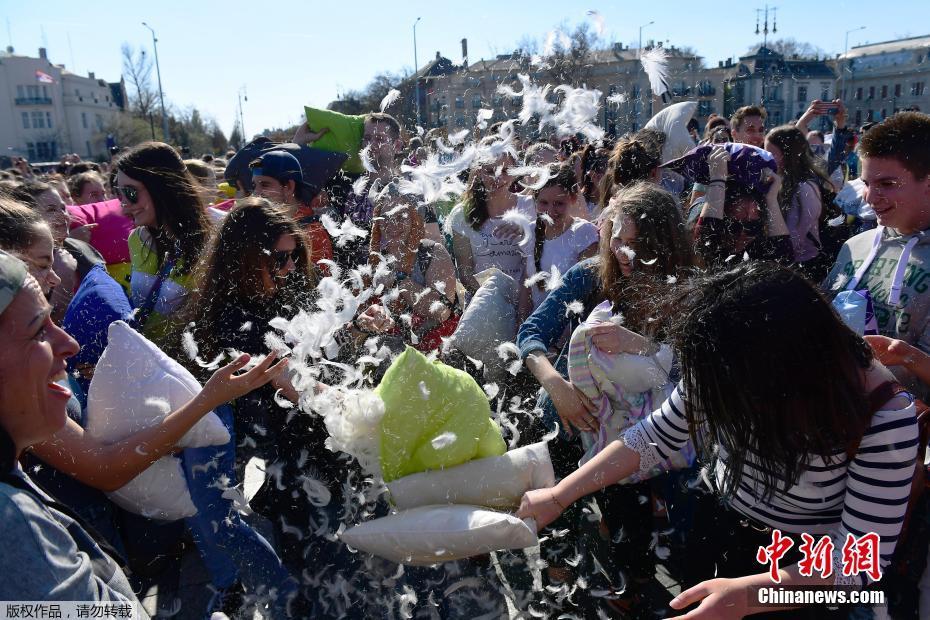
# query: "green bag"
[434,417]
[344,135]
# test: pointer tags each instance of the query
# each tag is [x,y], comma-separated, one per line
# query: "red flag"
[44,77]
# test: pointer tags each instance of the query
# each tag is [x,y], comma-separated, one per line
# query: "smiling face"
[554,202]
[281,264]
[142,210]
[273,190]
[623,242]
[495,176]
[33,351]
[900,200]
[52,208]
[39,258]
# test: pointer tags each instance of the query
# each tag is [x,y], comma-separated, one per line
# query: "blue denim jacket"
[543,328]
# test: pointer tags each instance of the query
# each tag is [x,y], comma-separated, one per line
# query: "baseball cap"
[279,165]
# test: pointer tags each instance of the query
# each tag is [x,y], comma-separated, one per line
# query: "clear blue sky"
[290,53]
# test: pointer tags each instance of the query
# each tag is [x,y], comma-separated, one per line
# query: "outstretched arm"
[110,466]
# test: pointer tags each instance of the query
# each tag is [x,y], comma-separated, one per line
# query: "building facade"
[879,79]
[46,111]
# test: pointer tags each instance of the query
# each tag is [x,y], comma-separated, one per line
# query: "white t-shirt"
[563,252]
[488,250]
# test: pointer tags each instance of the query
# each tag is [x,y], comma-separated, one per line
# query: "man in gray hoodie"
[893,260]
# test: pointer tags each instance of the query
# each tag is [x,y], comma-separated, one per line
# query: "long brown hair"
[417,234]
[634,158]
[230,271]
[181,220]
[563,177]
[770,369]
[662,250]
[798,162]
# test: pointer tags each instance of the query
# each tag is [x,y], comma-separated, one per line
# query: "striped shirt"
[868,495]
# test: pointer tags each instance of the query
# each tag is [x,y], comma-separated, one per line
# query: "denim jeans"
[230,548]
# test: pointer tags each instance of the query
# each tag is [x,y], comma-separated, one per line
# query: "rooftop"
[897,45]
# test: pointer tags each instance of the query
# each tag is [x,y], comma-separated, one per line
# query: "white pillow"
[489,319]
[495,482]
[673,121]
[136,385]
[432,534]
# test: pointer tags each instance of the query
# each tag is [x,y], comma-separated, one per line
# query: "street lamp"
[639,54]
[845,61]
[416,67]
[161,95]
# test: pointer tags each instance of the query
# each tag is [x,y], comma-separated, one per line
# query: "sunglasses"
[752,228]
[279,258]
[131,194]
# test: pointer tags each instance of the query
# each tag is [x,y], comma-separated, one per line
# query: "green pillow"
[344,135]
[434,417]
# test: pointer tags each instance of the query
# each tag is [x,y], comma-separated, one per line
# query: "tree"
[790,47]
[235,138]
[572,64]
[137,69]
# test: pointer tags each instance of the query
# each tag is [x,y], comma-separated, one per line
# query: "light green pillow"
[344,135]
[434,417]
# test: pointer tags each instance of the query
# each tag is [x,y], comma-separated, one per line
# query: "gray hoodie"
[907,317]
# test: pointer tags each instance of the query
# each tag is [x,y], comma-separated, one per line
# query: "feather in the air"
[389,99]
[655,64]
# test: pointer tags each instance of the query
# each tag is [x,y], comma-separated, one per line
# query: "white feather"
[342,233]
[655,64]
[598,20]
[523,221]
[443,440]
[365,156]
[389,99]
[574,307]
[189,345]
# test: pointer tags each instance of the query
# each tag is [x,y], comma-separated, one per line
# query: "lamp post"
[416,67]
[639,54]
[845,62]
[242,94]
[161,95]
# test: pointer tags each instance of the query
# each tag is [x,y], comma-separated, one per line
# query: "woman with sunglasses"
[160,196]
[479,241]
[735,221]
[257,267]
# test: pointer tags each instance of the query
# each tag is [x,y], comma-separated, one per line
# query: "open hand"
[717,163]
[225,385]
[892,352]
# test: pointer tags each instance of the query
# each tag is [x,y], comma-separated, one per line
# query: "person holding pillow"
[643,246]
[480,237]
[172,228]
[56,558]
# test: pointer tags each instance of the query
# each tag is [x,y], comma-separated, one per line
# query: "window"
[45,151]
[48,119]
[871,92]
[459,121]
[859,94]
[45,91]
[84,120]
[20,92]
[705,107]
[917,88]
[884,114]
[25,120]
[897,90]
[476,100]
[32,91]
[31,149]
[884,92]
[38,120]
[802,94]
[459,103]
[858,117]
[98,120]
[89,152]
[870,116]
[77,93]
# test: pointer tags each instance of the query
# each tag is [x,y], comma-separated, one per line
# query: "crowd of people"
[771,281]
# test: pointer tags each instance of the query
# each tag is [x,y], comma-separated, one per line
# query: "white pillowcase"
[495,482]
[489,319]
[135,386]
[673,121]
[433,534]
